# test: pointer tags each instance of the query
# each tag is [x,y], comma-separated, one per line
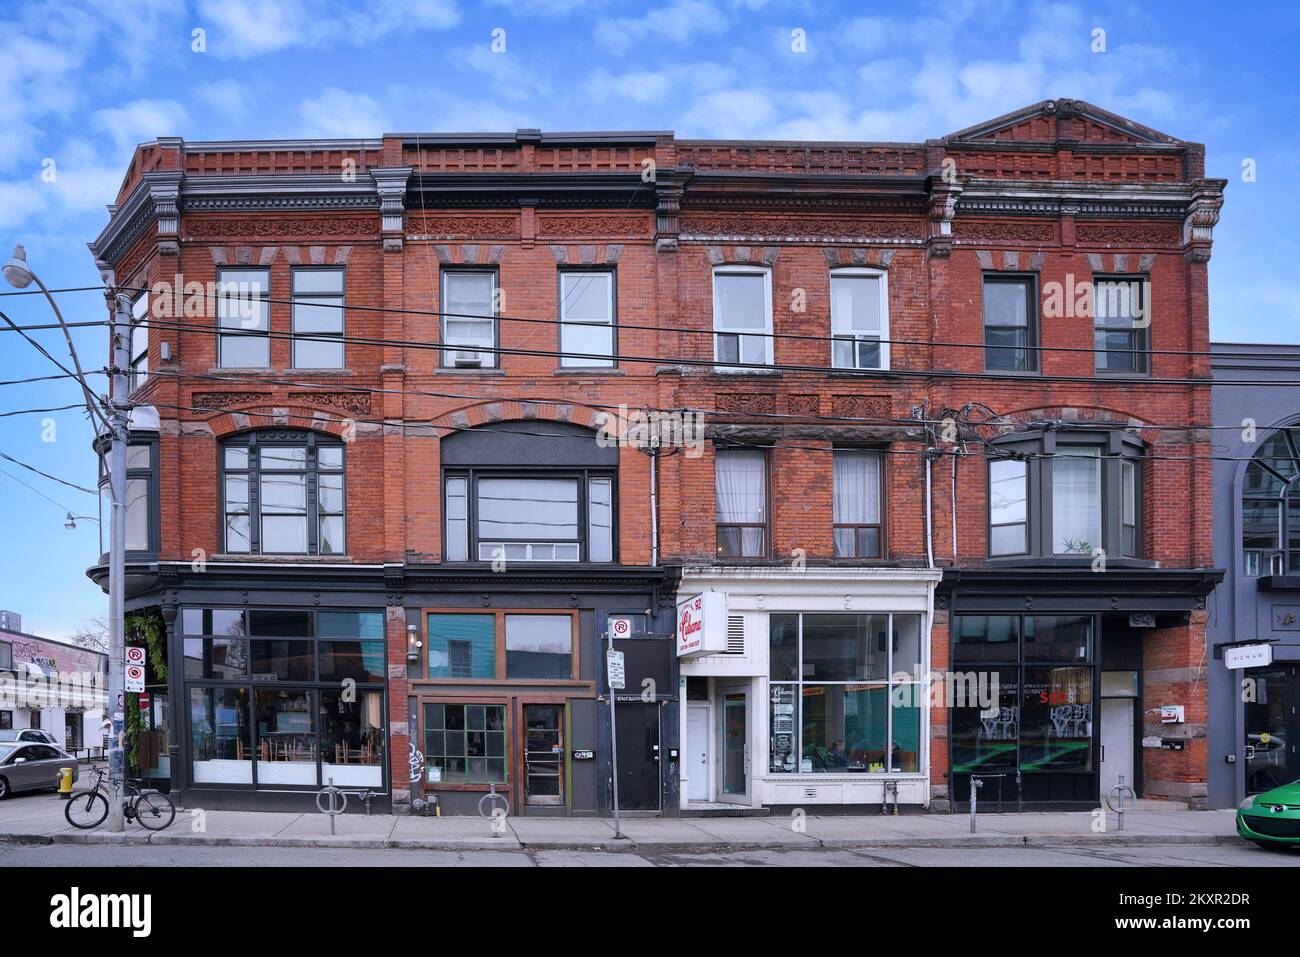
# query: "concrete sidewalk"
[38,819]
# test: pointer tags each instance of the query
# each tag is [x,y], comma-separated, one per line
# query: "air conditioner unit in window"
[467,359]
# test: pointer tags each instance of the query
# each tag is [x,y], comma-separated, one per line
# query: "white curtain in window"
[1076,499]
[857,488]
[742,498]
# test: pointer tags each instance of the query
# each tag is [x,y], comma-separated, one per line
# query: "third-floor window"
[469,325]
[586,318]
[243,321]
[742,315]
[318,318]
[859,319]
[1010,324]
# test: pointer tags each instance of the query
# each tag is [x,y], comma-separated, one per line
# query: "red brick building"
[382,515]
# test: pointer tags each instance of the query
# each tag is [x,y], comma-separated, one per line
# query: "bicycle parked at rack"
[88,807]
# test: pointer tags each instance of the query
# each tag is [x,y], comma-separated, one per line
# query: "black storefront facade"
[506,687]
[1083,663]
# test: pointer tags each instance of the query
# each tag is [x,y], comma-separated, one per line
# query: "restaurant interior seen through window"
[285,697]
[833,679]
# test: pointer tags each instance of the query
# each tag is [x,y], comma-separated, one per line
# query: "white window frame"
[233,274]
[739,269]
[327,299]
[862,272]
[576,275]
[488,359]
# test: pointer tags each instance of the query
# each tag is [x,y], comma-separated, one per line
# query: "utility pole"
[119,423]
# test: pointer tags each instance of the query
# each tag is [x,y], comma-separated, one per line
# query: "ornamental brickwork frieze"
[224,400]
[800,227]
[1005,232]
[861,406]
[1128,234]
[474,227]
[358,403]
[353,227]
[613,226]
[745,402]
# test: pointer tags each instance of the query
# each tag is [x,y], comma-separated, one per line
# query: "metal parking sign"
[614,664]
[135,655]
[134,679]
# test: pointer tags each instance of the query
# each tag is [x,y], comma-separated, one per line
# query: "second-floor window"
[859,319]
[283,494]
[1068,496]
[243,322]
[742,503]
[586,318]
[1010,324]
[529,517]
[469,325]
[141,499]
[857,505]
[742,315]
[317,318]
[139,342]
[1120,308]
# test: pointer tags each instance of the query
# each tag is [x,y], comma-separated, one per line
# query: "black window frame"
[1259,561]
[583,476]
[447,361]
[148,474]
[1032,320]
[251,442]
[564,360]
[139,361]
[1038,449]
[342,298]
[1141,348]
[766,526]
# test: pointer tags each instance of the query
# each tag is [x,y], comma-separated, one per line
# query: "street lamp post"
[20,276]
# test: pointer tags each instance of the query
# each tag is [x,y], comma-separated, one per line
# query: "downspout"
[953,518]
[929,530]
[654,506]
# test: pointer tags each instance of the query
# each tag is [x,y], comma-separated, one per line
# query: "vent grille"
[735,635]
[810,793]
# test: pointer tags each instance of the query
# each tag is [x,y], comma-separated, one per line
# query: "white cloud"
[680,21]
[252,28]
[509,76]
[139,121]
[342,113]
[230,99]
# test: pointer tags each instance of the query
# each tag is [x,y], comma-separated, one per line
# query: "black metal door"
[638,756]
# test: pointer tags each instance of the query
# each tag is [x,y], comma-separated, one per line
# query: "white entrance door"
[1116,743]
[697,752]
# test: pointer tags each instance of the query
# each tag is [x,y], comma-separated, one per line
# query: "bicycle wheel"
[86,809]
[154,810]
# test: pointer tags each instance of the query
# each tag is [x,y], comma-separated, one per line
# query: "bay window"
[1270,507]
[139,342]
[1065,494]
[140,496]
[283,493]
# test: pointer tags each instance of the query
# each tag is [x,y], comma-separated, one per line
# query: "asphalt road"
[1184,855]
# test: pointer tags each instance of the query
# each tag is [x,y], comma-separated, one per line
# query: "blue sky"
[82,83]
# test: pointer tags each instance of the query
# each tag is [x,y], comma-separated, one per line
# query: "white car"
[33,735]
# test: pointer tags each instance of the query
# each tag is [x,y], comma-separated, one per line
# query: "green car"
[1272,819]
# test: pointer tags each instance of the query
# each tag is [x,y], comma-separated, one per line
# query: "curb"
[630,846]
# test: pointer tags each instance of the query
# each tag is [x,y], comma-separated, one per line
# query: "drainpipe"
[654,505]
[953,518]
[929,539]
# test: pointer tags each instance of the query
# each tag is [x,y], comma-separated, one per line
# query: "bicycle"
[88,807]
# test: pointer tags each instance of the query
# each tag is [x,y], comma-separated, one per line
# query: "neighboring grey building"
[1254,725]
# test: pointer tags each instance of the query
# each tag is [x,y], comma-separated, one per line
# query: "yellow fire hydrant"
[65,783]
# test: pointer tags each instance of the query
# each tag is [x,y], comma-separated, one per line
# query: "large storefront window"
[465,743]
[285,697]
[845,693]
[1024,705]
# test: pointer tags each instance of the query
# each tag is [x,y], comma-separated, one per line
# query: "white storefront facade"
[805,686]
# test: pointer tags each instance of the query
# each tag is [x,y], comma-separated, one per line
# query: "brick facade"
[1061,191]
